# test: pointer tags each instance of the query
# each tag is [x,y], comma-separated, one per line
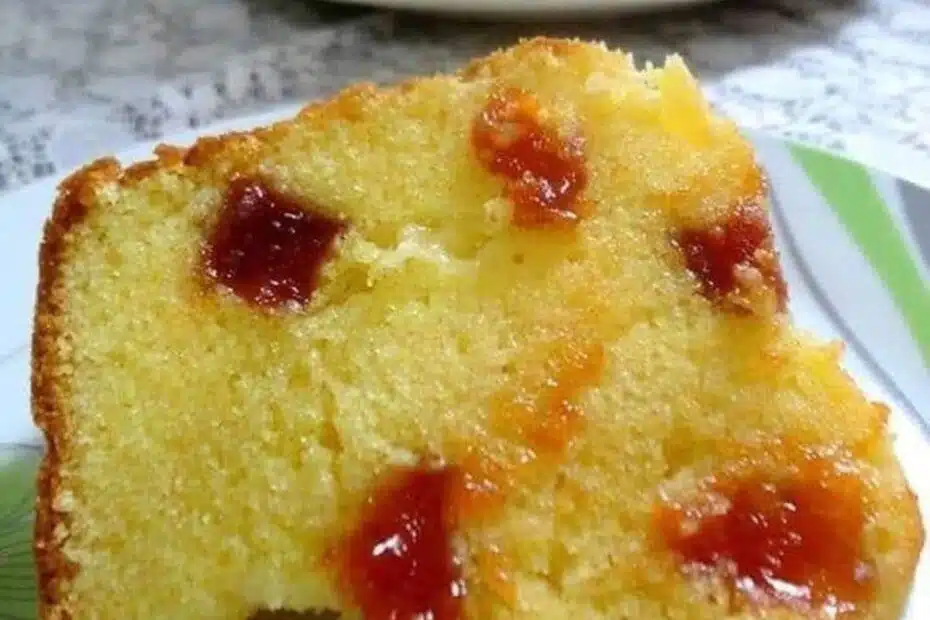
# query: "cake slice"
[507,343]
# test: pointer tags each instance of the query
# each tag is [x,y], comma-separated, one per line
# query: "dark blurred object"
[311,12]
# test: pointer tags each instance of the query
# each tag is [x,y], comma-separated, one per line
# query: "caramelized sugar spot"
[733,256]
[547,416]
[545,173]
[484,484]
[399,563]
[544,416]
[795,541]
[266,247]
[541,414]
[495,571]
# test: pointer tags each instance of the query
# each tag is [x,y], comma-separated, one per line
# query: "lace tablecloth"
[83,79]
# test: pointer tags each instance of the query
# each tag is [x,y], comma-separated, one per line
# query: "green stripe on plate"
[847,187]
[17,570]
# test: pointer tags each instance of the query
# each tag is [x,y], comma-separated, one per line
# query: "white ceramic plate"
[855,246]
[539,8]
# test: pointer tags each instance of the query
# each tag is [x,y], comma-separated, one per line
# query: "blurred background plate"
[526,8]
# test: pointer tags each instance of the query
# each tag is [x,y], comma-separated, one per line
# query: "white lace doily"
[83,79]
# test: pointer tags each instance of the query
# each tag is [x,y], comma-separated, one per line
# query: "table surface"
[83,79]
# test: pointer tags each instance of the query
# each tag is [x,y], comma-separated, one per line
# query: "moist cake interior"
[530,312]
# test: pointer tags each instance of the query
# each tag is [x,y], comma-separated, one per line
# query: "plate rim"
[542,9]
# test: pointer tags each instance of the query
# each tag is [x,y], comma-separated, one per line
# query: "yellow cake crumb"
[205,454]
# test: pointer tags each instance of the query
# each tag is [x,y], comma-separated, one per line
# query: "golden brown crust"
[49,398]
[493,64]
